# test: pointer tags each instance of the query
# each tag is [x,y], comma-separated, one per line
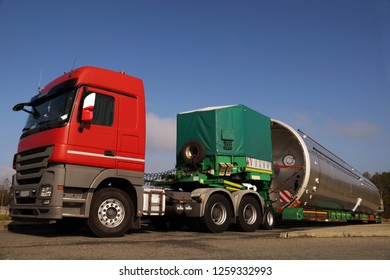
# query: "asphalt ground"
[343,230]
[322,231]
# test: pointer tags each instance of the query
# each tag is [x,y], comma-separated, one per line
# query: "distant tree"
[5,195]
[382,181]
[367,175]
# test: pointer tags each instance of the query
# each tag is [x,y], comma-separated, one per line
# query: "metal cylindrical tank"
[309,176]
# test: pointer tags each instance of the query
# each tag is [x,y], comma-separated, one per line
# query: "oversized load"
[308,176]
[300,178]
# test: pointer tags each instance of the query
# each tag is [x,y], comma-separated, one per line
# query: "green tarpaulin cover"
[227,130]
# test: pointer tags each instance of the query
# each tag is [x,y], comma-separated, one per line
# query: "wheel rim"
[111,213]
[218,213]
[270,218]
[249,213]
[191,152]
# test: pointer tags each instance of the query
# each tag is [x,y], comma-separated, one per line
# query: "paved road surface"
[43,243]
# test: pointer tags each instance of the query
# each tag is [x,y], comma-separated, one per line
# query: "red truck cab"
[85,133]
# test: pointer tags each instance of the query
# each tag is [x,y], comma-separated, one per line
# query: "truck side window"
[103,113]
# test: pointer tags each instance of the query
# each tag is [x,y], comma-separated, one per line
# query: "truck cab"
[85,133]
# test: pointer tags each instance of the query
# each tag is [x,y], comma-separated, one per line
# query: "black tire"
[111,213]
[249,214]
[193,152]
[217,214]
[268,219]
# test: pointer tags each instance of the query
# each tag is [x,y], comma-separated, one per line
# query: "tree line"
[382,181]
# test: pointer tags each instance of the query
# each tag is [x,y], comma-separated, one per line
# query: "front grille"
[31,164]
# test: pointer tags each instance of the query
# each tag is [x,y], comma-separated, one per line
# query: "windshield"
[50,111]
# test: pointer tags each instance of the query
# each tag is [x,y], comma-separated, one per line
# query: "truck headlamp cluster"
[46,191]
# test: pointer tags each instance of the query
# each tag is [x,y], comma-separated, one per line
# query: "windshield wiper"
[42,125]
[43,122]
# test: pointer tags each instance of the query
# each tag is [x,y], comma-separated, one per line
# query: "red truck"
[81,149]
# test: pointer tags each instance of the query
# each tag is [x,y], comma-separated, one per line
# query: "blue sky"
[320,66]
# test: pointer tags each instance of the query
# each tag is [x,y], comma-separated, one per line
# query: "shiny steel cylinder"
[309,176]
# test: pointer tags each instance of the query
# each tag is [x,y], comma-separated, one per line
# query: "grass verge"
[4,218]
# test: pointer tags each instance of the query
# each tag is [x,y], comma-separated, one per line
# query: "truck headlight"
[46,191]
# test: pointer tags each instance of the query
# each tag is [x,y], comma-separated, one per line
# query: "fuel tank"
[309,176]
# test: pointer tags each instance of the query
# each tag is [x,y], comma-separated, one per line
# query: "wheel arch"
[131,185]
[239,195]
[206,193]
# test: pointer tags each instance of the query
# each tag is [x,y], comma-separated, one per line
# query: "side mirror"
[19,107]
[88,106]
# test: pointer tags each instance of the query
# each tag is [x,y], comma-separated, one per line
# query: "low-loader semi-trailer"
[81,159]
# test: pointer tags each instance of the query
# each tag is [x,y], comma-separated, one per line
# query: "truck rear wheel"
[217,214]
[249,214]
[111,213]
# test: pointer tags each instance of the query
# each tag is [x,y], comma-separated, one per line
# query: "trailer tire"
[269,219]
[249,214]
[193,152]
[111,213]
[217,214]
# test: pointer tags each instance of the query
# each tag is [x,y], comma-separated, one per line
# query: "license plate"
[24,193]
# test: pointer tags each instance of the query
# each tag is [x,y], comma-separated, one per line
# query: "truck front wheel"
[111,213]
[217,214]
[249,214]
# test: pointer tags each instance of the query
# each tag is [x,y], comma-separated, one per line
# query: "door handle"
[109,153]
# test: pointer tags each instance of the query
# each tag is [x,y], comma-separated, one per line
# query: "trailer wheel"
[217,214]
[193,152]
[249,214]
[111,213]
[269,219]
